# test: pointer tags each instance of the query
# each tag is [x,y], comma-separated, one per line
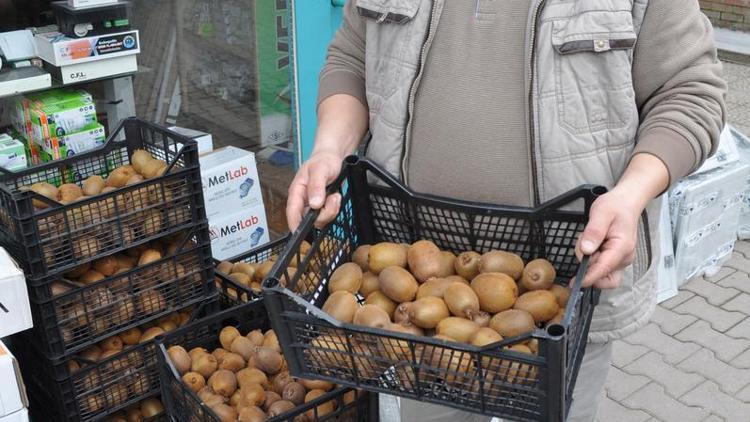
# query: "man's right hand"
[308,189]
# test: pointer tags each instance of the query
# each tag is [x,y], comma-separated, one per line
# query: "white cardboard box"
[89,71]
[20,416]
[12,391]
[58,49]
[743,147]
[89,3]
[667,273]
[726,153]
[15,313]
[205,140]
[237,233]
[230,181]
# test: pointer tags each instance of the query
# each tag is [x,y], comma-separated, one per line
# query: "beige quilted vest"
[581,111]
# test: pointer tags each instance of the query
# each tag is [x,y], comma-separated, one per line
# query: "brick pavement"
[692,362]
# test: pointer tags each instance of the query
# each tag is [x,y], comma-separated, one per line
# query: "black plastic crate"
[60,237]
[235,293]
[86,315]
[489,380]
[184,405]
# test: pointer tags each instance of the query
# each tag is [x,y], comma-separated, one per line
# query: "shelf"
[58,84]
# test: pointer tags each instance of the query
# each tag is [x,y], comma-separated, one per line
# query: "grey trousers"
[586,396]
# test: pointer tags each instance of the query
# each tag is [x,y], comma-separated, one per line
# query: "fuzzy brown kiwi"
[225,267]
[252,395]
[484,336]
[361,255]
[501,262]
[249,376]
[341,305]
[194,381]
[243,347]
[385,254]
[223,382]
[457,278]
[227,336]
[460,329]
[107,265]
[371,316]
[151,334]
[541,304]
[461,300]
[398,284]
[244,268]
[282,406]
[294,392]
[271,398]
[271,340]
[131,336]
[428,312]
[561,293]
[466,264]
[256,337]
[280,381]
[225,412]
[378,298]
[180,359]
[425,260]
[434,287]
[316,384]
[323,408]
[401,314]
[69,192]
[268,360]
[251,414]
[347,277]
[204,364]
[231,361]
[512,322]
[370,283]
[538,274]
[557,319]
[496,291]
[447,258]
[452,365]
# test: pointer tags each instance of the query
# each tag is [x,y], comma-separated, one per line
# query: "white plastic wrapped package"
[743,148]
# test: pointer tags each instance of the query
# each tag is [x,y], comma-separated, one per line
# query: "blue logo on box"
[128,42]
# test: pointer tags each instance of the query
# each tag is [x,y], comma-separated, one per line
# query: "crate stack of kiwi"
[419,289]
[95,312]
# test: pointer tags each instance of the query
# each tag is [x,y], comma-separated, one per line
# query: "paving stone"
[655,401]
[723,272]
[741,330]
[740,303]
[725,347]
[742,361]
[742,248]
[708,396]
[671,349]
[743,394]
[719,319]
[713,293]
[738,262]
[682,296]
[714,418]
[738,280]
[612,411]
[670,322]
[621,384]
[623,353]
[705,363]
[672,379]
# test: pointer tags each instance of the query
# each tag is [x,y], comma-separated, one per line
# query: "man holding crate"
[515,102]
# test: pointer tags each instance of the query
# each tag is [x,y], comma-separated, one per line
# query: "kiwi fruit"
[227,336]
[457,278]
[347,277]
[252,395]
[151,301]
[466,264]
[195,351]
[280,381]
[271,340]
[262,271]
[140,159]
[91,276]
[69,192]
[223,382]
[453,365]
[225,267]
[268,360]
[244,268]
[85,246]
[322,409]
[225,412]
[194,381]
[294,392]
[131,336]
[204,364]
[461,300]
[251,414]
[398,284]
[93,185]
[78,271]
[107,265]
[361,255]
[512,322]
[341,305]
[112,343]
[151,334]
[140,384]
[538,274]
[371,316]
[370,283]
[180,359]
[501,262]
[283,406]
[242,346]
[379,299]
[118,178]
[541,304]
[428,312]
[533,345]
[496,291]
[425,260]
[385,254]
[446,267]
[434,287]
[46,190]
[316,384]
[457,328]
[401,314]
[557,319]
[231,361]
[409,328]
[249,376]
[484,336]
[271,398]
[134,415]
[561,293]
[148,256]
[241,278]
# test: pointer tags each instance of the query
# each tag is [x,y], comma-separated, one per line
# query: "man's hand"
[611,235]
[308,190]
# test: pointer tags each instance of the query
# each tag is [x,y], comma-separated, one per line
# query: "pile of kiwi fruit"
[247,379]
[418,289]
[143,166]
[118,303]
[133,382]
[145,410]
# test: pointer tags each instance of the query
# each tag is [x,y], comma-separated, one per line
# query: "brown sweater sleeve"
[678,85]
[344,70]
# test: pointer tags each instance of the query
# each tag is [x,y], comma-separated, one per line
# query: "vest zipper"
[413,91]
[532,137]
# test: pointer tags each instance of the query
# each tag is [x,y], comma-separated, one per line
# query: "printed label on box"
[238,233]
[230,181]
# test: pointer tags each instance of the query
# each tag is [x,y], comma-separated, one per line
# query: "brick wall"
[732,14]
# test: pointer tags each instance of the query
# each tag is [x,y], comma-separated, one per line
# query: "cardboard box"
[205,140]
[92,137]
[57,49]
[89,71]
[666,276]
[15,313]
[237,233]
[12,391]
[20,416]
[230,181]
[12,153]
[743,148]
[51,122]
[89,3]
